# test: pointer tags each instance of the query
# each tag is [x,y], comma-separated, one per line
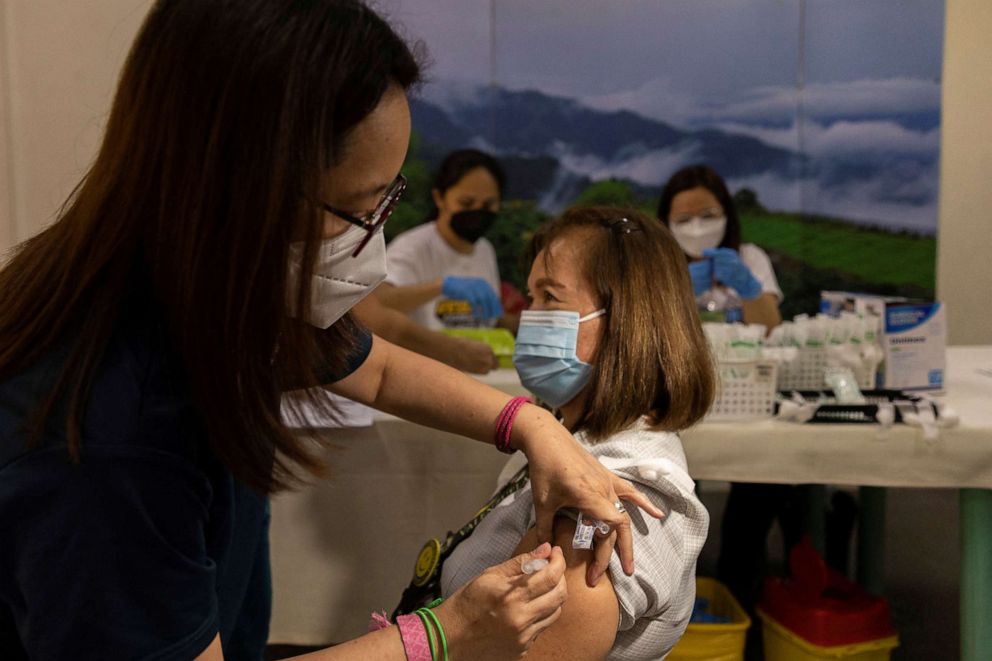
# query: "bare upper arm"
[213,651]
[364,383]
[763,310]
[380,319]
[588,623]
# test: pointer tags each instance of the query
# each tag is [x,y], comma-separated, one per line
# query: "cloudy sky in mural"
[845,112]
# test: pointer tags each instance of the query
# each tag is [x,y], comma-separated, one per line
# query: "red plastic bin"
[821,606]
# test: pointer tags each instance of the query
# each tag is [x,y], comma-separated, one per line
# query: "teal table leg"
[815,508]
[976,575]
[871,539]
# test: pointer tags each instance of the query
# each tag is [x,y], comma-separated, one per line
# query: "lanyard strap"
[426,583]
[516,483]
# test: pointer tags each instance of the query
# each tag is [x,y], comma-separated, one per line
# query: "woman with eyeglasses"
[206,263]
[444,273]
[729,277]
[612,343]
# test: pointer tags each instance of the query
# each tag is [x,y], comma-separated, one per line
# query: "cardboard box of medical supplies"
[914,337]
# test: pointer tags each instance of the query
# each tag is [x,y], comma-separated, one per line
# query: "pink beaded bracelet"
[504,423]
[414,637]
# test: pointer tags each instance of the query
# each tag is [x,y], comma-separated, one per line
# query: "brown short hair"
[653,358]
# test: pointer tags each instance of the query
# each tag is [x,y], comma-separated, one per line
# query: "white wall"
[7,235]
[59,61]
[58,68]
[964,240]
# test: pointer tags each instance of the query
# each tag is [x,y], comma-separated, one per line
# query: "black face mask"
[471,225]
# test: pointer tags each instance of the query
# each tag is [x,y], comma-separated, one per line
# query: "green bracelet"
[440,632]
[430,633]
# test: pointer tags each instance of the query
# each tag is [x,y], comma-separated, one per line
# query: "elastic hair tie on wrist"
[430,632]
[429,615]
[504,423]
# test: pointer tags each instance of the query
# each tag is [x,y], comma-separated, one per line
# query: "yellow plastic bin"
[783,645]
[499,339]
[714,642]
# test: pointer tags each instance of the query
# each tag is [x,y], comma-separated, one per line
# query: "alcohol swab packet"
[583,535]
[584,531]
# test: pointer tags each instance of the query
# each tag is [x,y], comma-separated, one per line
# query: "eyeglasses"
[377,217]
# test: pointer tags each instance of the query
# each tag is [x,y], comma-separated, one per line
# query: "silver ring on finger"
[620,508]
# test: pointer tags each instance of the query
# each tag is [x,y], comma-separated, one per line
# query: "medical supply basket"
[499,339]
[714,642]
[820,614]
[746,389]
[807,371]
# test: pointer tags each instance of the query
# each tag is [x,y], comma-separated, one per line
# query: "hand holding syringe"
[584,532]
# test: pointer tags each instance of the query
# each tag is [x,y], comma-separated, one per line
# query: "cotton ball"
[649,474]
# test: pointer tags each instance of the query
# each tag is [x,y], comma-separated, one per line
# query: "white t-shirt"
[421,255]
[656,602]
[756,260]
[348,413]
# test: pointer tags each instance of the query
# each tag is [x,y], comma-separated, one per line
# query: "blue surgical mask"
[545,355]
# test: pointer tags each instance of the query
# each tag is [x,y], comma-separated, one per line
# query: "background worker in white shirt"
[732,277]
[444,273]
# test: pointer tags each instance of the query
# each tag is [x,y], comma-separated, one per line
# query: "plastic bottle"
[720,304]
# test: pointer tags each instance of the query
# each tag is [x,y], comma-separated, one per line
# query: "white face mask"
[340,281]
[697,234]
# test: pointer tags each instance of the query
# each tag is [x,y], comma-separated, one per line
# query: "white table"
[772,451]
[347,545]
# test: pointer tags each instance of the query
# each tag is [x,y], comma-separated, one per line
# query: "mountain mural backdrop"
[554,147]
[823,117]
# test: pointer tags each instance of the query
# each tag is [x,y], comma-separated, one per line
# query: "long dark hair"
[225,117]
[652,349]
[703,176]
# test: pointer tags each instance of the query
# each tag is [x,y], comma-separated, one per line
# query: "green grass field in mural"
[869,254]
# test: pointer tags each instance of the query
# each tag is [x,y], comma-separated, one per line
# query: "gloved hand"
[730,270]
[701,273]
[479,293]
